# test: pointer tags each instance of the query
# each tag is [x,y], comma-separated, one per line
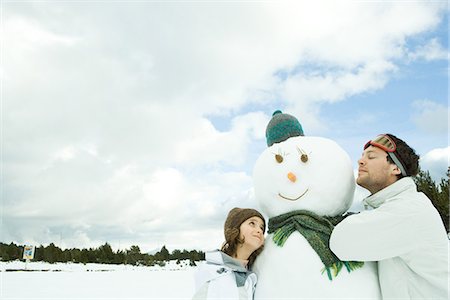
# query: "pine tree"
[3,255]
[119,257]
[438,194]
[444,199]
[53,254]
[133,256]
[176,254]
[10,252]
[39,253]
[84,256]
[106,254]
[163,254]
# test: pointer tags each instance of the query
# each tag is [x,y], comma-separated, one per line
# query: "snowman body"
[313,174]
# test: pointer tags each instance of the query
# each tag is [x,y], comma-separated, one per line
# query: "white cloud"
[337,85]
[431,117]
[436,161]
[305,92]
[29,35]
[66,153]
[206,145]
[358,196]
[432,50]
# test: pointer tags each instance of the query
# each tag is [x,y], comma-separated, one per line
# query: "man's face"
[374,171]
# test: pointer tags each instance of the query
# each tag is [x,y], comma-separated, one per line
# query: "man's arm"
[373,235]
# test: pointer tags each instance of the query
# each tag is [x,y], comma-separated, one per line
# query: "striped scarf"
[317,230]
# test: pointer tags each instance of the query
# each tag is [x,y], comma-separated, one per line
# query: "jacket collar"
[388,193]
[218,257]
[223,260]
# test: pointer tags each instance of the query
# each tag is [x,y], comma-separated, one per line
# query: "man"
[402,230]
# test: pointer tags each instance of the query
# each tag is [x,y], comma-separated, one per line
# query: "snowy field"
[95,281]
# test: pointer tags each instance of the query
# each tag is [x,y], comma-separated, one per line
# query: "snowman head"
[304,173]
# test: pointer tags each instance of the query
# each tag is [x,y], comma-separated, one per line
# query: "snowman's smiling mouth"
[292,199]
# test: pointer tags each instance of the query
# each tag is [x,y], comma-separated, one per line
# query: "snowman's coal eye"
[304,158]
[279,158]
[303,155]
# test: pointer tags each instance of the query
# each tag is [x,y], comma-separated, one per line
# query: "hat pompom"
[281,127]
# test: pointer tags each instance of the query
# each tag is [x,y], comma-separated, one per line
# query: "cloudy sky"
[139,122]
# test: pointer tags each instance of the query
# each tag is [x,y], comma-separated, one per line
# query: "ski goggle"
[384,142]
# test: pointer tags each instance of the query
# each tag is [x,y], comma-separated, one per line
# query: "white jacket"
[405,234]
[223,277]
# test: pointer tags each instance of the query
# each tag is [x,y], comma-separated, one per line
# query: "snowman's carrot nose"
[292,176]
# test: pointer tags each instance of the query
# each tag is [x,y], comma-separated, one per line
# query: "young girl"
[226,274]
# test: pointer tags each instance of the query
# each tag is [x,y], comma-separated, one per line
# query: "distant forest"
[103,255]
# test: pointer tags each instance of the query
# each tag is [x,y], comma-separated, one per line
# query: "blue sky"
[140,122]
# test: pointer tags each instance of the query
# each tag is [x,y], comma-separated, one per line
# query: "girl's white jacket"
[223,277]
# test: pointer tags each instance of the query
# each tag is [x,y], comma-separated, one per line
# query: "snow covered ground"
[95,281]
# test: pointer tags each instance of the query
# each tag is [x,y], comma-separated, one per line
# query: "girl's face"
[252,233]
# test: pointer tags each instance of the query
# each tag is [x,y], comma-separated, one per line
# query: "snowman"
[304,185]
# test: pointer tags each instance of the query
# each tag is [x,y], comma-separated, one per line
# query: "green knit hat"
[281,127]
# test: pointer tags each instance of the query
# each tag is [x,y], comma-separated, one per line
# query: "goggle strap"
[397,162]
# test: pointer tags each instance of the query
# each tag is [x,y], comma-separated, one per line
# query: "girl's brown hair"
[235,218]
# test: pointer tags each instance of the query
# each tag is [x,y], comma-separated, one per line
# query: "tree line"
[103,255]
